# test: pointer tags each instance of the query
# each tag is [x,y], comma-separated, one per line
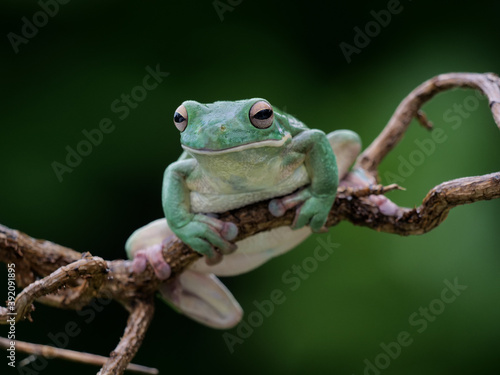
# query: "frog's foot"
[145,246]
[203,298]
[311,210]
[154,256]
[359,179]
[209,236]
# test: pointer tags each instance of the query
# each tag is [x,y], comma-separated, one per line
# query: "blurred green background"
[64,80]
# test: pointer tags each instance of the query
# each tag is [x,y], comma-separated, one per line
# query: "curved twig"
[94,268]
[409,108]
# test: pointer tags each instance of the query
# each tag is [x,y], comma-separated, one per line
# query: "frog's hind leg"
[346,146]
[149,235]
[202,297]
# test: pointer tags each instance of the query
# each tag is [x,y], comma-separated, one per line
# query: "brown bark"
[65,278]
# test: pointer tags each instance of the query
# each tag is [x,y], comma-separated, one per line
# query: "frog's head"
[225,127]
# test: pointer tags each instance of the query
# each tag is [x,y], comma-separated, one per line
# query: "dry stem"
[137,325]
[409,108]
[70,355]
[58,266]
[93,269]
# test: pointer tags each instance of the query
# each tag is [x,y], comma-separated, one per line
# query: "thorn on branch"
[422,119]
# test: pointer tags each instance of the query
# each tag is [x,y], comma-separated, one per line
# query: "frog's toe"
[216,239]
[227,230]
[385,205]
[301,219]
[154,256]
[202,246]
[279,206]
[140,262]
[318,222]
[214,259]
[209,232]
[314,212]
[358,178]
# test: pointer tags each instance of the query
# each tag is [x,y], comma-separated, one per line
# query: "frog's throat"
[247,146]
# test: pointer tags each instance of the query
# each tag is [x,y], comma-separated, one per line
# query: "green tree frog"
[237,153]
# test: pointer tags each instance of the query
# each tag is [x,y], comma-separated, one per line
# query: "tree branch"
[55,266]
[409,108]
[138,322]
[91,268]
[432,212]
[69,355]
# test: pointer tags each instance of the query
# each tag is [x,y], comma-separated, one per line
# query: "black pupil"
[178,117]
[263,114]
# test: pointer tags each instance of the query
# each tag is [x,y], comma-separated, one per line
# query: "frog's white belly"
[205,202]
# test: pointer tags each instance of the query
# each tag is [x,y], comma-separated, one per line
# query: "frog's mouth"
[246,146]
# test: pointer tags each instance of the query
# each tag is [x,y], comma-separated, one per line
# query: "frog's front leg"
[316,200]
[201,232]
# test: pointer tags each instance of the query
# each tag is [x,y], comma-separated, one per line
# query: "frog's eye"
[181,118]
[261,115]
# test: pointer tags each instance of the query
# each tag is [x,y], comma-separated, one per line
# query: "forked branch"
[91,270]
[44,267]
